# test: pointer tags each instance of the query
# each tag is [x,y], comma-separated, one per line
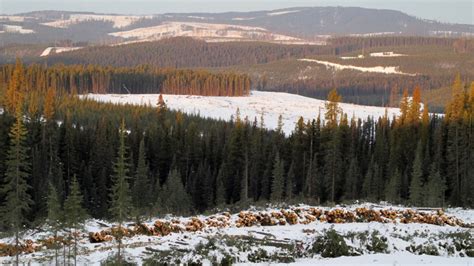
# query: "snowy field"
[267,104]
[263,244]
[375,69]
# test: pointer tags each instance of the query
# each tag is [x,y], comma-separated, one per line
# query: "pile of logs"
[249,219]
[26,247]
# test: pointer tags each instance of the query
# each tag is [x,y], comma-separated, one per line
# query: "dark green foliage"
[330,245]
[277,179]
[142,185]
[416,184]
[175,197]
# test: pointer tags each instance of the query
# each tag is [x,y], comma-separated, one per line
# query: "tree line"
[122,161]
[140,79]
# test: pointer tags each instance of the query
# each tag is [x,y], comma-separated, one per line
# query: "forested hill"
[181,164]
[185,52]
[139,79]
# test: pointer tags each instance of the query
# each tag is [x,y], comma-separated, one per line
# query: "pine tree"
[416,184]
[15,90]
[333,111]
[49,104]
[74,212]
[17,200]
[141,186]
[277,179]
[55,217]
[121,200]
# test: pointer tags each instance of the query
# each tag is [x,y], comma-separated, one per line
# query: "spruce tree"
[435,188]
[176,199]
[289,185]
[352,180]
[74,212]
[416,184]
[17,202]
[277,179]
[141,187]
[311,184]
[55,217]
[121,200]
[220,189]
[392,190]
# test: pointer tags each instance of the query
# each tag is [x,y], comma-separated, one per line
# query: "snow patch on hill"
[267,104]
[17,29]
[119,21]
[376,69]
[282,12]
[206,31]
[58,50]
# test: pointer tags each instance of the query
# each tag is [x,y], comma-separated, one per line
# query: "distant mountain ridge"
[294,25]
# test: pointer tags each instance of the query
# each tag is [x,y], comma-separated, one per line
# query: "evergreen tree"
[392,190]
[312,178]
[17,202]
[121,200]
[289,185]
[435,188]
[416,184]
[74,212]
[351,190]
[141,186]
[277,179]
[55,217]
[176,199]
[220,189]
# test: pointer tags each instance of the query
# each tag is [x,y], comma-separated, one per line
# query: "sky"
[452,11]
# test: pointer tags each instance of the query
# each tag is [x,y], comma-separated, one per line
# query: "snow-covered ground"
[57,50]
[204,31]
[278,242]
[119,21]
[282,12]
[375,69]
[376,54]
[17,29]
[269,104]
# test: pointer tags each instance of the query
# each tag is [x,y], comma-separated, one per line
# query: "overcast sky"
[454,11]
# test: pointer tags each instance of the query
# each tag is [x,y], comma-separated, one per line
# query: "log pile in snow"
[292,216]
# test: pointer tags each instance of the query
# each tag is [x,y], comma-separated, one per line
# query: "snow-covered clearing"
[376,54]
[240,19]
[385,54]
[57,50]
[220,237]
[203,31]
[13,18]
[376,69]
[119,21]
[17,29]
[267,104]
[282,12]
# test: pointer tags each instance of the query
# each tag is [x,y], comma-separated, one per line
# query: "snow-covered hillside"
[119,21]
[58,50]
[267,104]
[206,31]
